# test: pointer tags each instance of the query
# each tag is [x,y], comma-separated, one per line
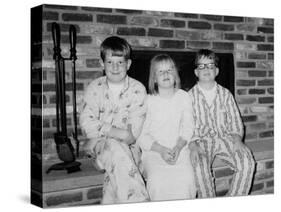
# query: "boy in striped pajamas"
[218,131]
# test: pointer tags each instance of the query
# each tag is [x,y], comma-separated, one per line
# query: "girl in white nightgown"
[165,135]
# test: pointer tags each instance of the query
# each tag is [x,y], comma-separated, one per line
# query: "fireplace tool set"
[64,147]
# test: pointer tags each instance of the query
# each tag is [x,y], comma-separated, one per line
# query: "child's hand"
[129,138]
[238,144]
[175,153]
[195,150]
[89,148]
[167,155]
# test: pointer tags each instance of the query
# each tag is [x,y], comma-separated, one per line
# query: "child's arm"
[187,123]
[89,116]
[233,117]
[125,135]
[137,110]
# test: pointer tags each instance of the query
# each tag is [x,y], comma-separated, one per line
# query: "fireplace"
[185,63]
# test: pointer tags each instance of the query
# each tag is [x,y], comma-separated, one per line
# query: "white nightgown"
[166,121]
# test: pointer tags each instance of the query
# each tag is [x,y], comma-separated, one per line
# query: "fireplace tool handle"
[73,57]
[64,147]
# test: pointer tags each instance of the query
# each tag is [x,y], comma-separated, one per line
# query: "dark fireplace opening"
[185,63]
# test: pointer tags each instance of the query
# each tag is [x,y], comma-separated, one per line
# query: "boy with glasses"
[218,131]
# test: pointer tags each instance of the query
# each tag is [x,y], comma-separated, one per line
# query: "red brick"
[211,17]
[256,91]
[175,44]
[246,100]
[257,56]
[49,15]
[257,126]
[198,44]
[144,21]
[160,32]
[246,27]
[63,198]
[88,74]
[246,46]
[199,25]
[246,64]
[256,38]
[265,82]
[188,35]
[126,11]
[253,73]
[186,15]
[93,63]
[263,176]
[224,27]
[211,35]
[111,19]
[223,46]
[265,100]
[131,31]
[245,82]
[77,17]
[265,30]
[265,65]
[233,36]
[250,136]
[172,23]
[241,91]
[265,47]
[233,19]
[267,134]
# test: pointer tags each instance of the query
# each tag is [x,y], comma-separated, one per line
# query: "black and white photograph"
[150,105]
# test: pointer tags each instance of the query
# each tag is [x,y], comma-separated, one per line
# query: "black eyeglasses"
[208,65]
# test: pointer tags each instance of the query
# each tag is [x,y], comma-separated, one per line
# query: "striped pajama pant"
[241,162]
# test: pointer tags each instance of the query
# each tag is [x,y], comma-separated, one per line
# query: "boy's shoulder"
[136,85]
[98,82]
[223,90]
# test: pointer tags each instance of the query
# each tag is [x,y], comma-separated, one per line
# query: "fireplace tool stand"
[64,146]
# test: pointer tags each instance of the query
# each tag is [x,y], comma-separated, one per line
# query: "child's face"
[206,70]
[165,75]
[115,67]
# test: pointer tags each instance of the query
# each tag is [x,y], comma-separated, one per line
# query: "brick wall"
[249,39]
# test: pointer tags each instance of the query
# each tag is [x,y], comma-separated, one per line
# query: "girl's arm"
[187,122]
[146,140]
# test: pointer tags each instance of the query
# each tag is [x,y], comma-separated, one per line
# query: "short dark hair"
[208,54]
[118,46]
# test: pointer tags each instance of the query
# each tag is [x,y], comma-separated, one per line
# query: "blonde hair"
[152,85]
